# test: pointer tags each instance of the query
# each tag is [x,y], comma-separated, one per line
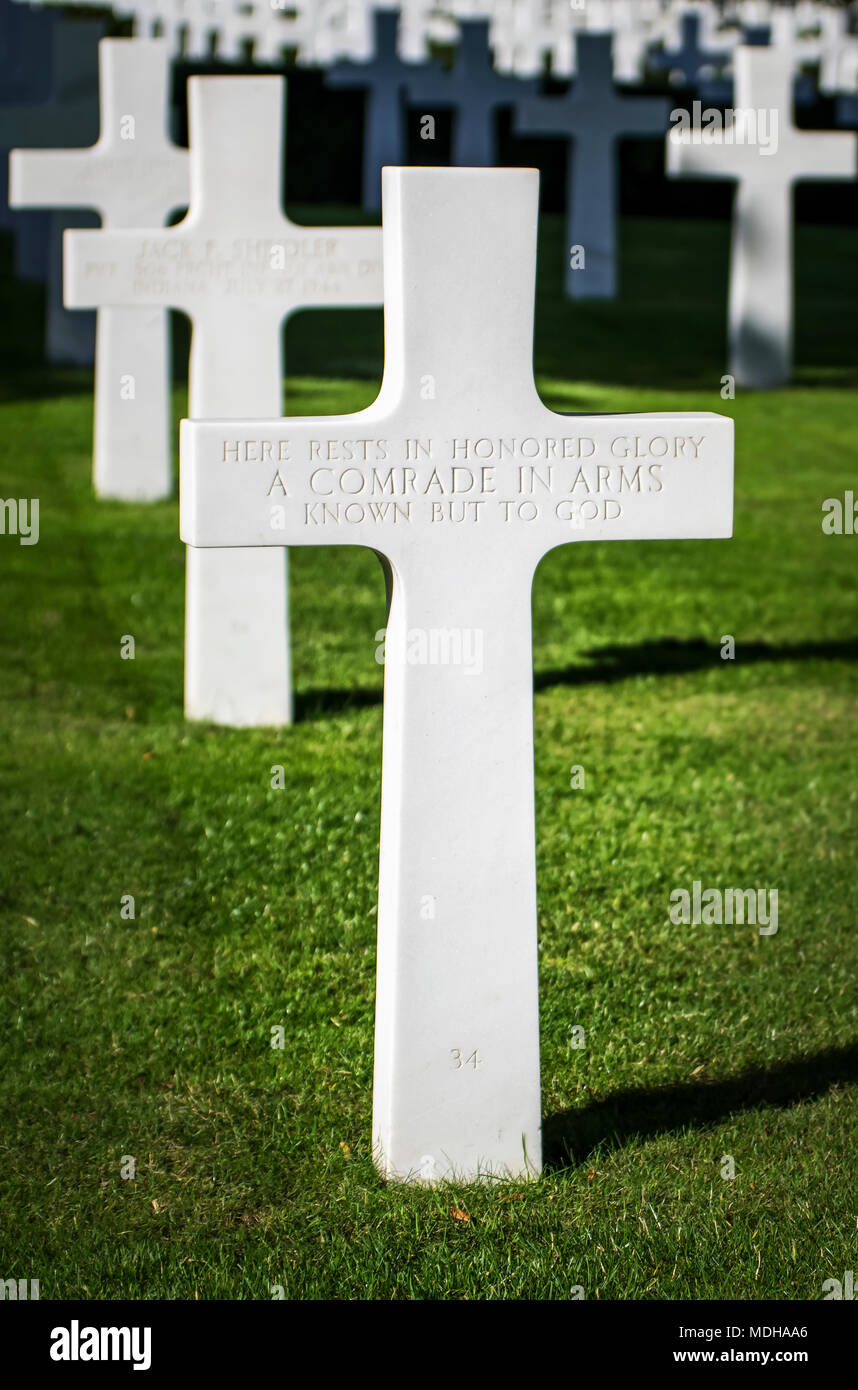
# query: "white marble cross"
[238,267]
[133,177]
[764,152]
[591,117]
[463,480]
[810,40]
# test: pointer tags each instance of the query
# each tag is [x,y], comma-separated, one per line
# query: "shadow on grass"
[828,379]
[40,383]
[316,703]
[571,1135]
[675,656]
[667,656]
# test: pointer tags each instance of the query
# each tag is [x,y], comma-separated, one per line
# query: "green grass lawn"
[256,907]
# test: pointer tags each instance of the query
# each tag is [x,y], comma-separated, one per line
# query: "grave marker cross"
[134,176]
[237,266]
[383,78]
[765,169]
[591,117]
[463,480]
[475,91]
[691,57]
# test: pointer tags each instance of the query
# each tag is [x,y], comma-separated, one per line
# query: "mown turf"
[255,907]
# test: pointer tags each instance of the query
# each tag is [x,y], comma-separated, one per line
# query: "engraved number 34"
[460,1060]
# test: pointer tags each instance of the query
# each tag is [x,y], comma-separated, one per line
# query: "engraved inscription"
[358,480]
[296,268]
[330,481]
[462,1059]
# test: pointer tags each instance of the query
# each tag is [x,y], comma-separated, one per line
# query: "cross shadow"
[822,378]
[606,665]
[675,656]
[569,1136]
[316,702]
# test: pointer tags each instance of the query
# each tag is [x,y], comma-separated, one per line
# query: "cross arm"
[687,157]
[639,116]
[526,486]
[734,154]
[477,462]
[441,89]
[433,86]
[642,116]
[50,178]
[349,75]
[351,252]
[829,154]
[543,116]
[122,268]
[291,268]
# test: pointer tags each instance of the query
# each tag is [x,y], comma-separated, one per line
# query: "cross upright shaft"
[462,479]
